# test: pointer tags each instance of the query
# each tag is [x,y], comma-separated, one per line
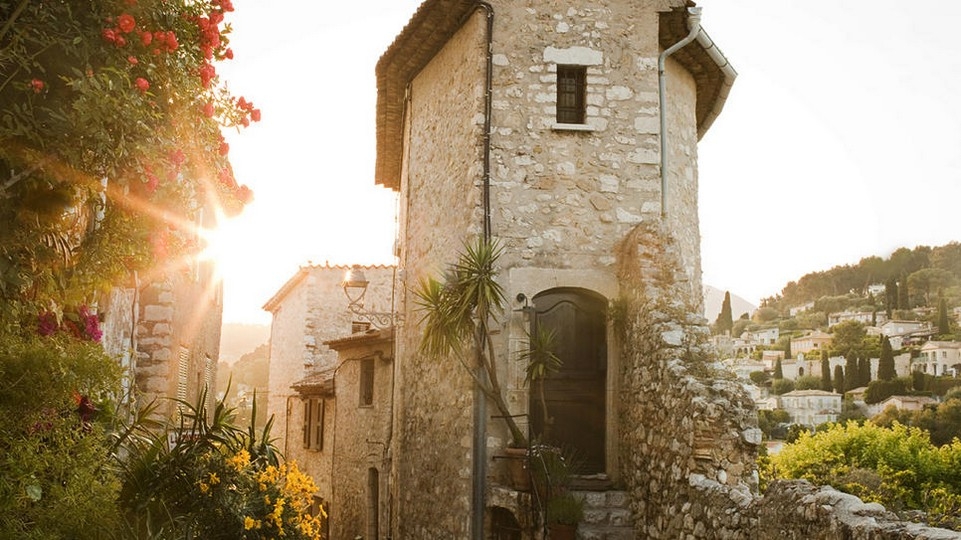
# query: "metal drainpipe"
[479,450]
[694,22]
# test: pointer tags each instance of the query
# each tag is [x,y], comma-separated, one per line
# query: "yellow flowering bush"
[218,481]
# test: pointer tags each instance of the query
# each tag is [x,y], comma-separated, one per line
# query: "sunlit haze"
[841,139]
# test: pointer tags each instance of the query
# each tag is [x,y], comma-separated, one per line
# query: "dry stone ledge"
[796,509]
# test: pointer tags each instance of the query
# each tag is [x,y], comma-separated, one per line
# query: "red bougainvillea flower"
[37,86]
[170,39]
[141,84]
[177,157]
[244,194]
[91,323]
[229,54]
[132,59]
[207,74]
[224,148]
[126,23]
[209,109]
[255,115]
[47,323]
[152,181]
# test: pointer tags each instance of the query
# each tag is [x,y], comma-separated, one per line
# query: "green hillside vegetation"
[244,377]
[922,284]
[912,278]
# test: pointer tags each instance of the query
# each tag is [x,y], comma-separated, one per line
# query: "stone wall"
[797,510]
[689,436]
[440,209]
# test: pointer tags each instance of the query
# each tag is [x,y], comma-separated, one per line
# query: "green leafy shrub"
[55,480]
[896,466]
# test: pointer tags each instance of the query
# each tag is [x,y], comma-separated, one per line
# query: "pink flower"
[171,40]
[146,38]
[209,109]
[37,85]
[224,148]
[109,35]
[132,59]
[141,84]
[126,23]
[229,54]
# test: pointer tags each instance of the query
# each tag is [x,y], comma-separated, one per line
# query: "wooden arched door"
[576,393]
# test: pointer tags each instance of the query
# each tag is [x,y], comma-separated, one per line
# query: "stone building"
[165,329]
[540,126]
[308,311]
[550,129]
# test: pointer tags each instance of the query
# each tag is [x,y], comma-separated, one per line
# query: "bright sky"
[841,139]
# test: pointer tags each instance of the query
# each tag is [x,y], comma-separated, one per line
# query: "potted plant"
[563,513]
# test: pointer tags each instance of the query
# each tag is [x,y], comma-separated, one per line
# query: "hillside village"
[790,358]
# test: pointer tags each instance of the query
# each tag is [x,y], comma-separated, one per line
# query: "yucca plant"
[457,315]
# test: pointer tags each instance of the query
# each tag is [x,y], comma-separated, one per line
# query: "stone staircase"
[607,516]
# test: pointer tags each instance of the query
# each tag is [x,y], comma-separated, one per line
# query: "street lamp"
[355,288]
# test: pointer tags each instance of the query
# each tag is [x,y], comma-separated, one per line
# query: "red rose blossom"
[37,85]
[132,59]
[142,84]
[146,38]
[126,23]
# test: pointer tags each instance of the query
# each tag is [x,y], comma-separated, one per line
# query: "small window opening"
[571,94]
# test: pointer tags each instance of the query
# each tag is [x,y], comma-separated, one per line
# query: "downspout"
[694,22]
[479,446]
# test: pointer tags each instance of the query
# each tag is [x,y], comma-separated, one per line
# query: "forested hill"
[918,276]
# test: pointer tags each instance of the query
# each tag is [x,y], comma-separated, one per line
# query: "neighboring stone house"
[939,358]
[902,333]
[345,432]
[166,332]
[811,407]
[815,341]
[309,310]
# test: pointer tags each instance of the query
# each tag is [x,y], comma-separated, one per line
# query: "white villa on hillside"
[811,407]
[939,358]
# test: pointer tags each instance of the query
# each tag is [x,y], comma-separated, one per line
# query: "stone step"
[607,516]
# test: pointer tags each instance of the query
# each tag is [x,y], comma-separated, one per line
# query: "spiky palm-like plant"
[457,315]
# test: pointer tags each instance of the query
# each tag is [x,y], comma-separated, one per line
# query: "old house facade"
[309,310]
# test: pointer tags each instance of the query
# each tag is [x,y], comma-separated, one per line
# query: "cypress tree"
[839,379]
[944,324]
[826,374]
[851,372]
[864,371]
[787,348]
[886,370]
[725,320]
[890,296]
[778,371]
[904,301]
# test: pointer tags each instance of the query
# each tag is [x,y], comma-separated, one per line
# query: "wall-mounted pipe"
[694,23]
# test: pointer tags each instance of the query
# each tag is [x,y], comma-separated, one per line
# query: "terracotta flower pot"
[518,474]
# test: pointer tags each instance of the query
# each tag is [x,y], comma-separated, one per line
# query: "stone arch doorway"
[576,394]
